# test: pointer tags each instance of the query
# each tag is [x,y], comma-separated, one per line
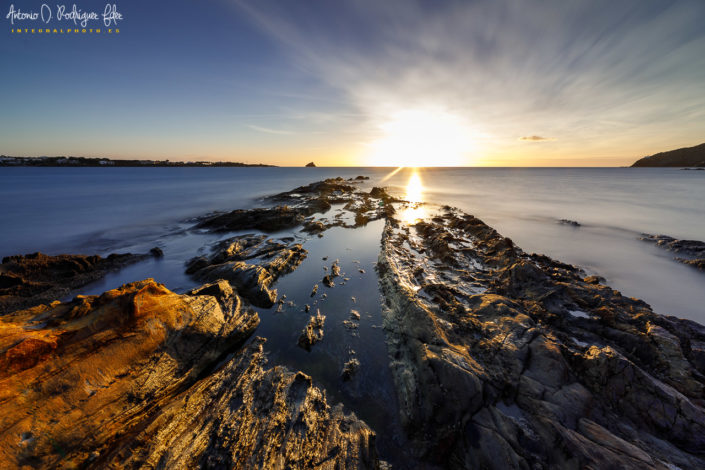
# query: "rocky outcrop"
[265,219]
[692,252]
[313,331]
[247,416]
[688,156]
[78,377]
[36,278]
[130,379]
[310,165]
[507,360]
[251,263]
[297,208]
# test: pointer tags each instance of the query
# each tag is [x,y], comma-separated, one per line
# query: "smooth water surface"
[102,210]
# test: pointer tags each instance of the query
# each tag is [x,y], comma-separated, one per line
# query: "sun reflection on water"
[414,194]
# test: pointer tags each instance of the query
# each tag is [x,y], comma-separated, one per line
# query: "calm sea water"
[103,210]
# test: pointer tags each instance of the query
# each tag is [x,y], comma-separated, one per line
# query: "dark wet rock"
[693,248]
[313,331]
[361,178]
[314,290]
[350,369]
[307,308]
[37,278]
[594,279]
[697,263]
[692,251]
[335,269]
[251,263]
[572,223]
[314,227]
[265,219]
[330,191]
[128,379]
[508,360]
[310,165]
[157,252]
[328,280]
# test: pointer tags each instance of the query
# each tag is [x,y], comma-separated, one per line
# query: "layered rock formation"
[508,360]
[250,417]
[126,379]
[691,252]
[35,278]
[251,263]
[297,207]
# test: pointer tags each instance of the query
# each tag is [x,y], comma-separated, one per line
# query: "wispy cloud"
[536,138]
[600,74]
[267,130]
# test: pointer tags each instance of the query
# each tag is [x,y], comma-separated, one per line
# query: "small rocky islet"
[499,358]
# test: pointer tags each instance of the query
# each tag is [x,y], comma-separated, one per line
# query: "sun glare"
[417,138]
[414,195]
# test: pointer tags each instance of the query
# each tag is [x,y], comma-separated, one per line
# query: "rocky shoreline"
[499,358]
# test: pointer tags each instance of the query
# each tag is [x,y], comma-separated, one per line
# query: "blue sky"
[549,83]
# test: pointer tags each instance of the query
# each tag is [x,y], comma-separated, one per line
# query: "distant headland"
[108,162]
[685,157]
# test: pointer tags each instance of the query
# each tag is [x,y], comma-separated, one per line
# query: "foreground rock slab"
[507,360]
[32,279]
[251,263]
[141,377]
[77,377]
[246,416]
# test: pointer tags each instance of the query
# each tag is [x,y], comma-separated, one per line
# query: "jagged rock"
[354,314]
[310,165]
[692,248]
[265,219]
[37,278]
[78,378]
[328,281]
[692,251]
[313,331]
[250,417]
[251,263]
[350,369]
[698,263]
[572,223]
[157,252]
[555,370]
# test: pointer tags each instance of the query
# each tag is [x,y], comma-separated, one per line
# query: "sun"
[422,137]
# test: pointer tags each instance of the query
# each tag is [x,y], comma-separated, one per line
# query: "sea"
[117,210]
[106,210]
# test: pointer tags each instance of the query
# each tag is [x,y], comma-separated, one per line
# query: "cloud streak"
[536,138]
[267,130]
[600,74]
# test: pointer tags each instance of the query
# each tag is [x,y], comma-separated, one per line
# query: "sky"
[478,83]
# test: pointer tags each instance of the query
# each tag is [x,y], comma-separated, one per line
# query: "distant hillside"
[107,162]
[689,156]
